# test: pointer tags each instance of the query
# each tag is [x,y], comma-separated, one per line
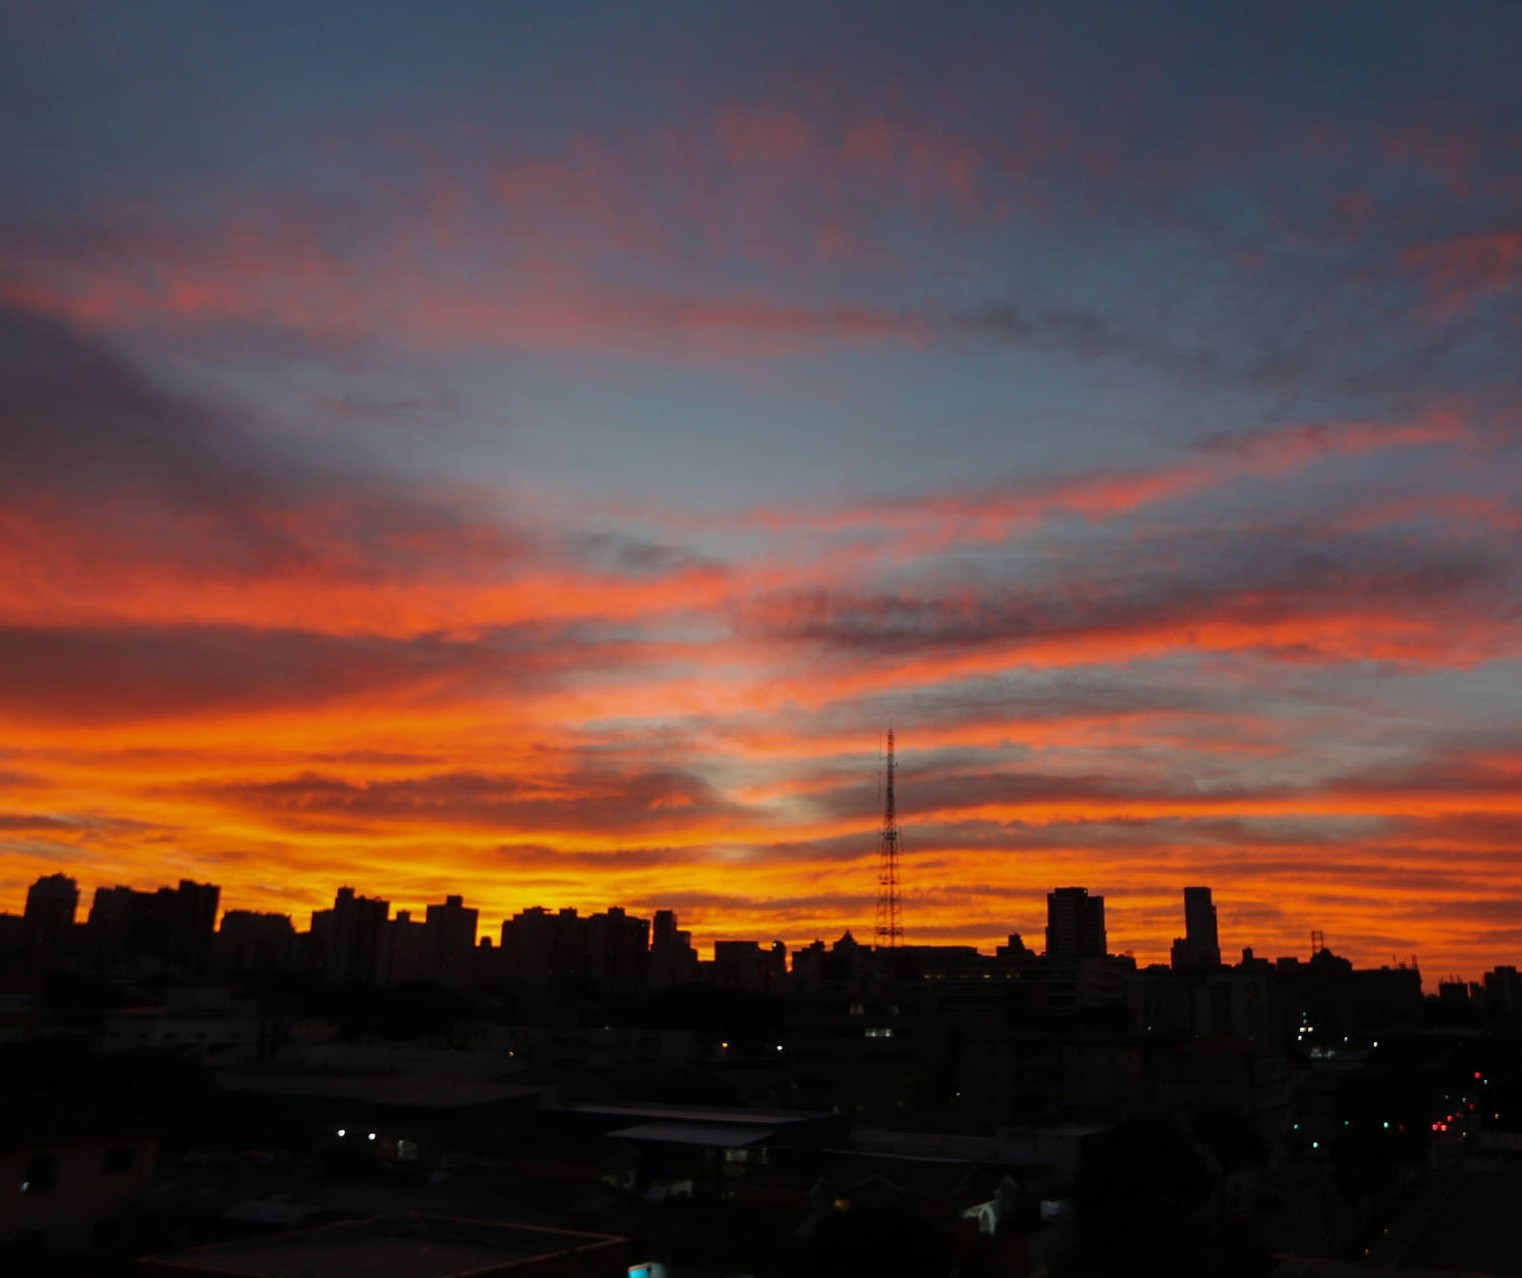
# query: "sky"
[536,451]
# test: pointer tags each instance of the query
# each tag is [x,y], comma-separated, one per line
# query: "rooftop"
[420,1091]
[708,1114]
[408,1246]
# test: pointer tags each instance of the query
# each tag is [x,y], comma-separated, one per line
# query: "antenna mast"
[890,928]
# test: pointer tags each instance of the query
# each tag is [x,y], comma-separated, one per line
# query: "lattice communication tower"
[890,923]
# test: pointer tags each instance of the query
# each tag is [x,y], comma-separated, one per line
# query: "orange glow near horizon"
[423,737]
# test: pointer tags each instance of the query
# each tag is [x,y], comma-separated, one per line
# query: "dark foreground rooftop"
[407,1246]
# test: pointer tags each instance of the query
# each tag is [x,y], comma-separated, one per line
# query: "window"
[117,1159]
[40,1175]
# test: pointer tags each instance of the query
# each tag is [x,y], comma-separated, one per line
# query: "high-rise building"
[351,937]
[192,921]
[248,941]
[165,931]
[48,923]
[672,959]
[450,938]
[747,965]
[115,926]
[1075,925]
[544,952]
[617,951]
[404,956]
[1200,936]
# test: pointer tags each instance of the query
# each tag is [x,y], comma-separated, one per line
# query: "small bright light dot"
[340,1131]
[371,1136]
[1315,1144]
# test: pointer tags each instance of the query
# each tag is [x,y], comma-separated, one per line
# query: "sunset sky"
[536,451]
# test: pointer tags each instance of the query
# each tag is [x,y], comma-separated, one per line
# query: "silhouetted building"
[1200,946]
[1075,925]
[745,965]
[192,919]
[449,938]
[1200,924]
[170,929]
[66,1189]
[48,921]
[12,941]
[672,960]
[248,941]
[1014,950]
[616,948]
[114,930]
[542,951]
[1503,991]
[405,954]
[350,937]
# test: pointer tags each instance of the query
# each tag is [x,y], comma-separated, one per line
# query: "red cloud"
[547,252]
[1459,271]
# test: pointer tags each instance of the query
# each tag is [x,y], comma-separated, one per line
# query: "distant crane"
[890,924]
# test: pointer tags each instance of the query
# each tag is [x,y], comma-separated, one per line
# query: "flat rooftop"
[404,1091]
[732,1115]
[408,1246]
